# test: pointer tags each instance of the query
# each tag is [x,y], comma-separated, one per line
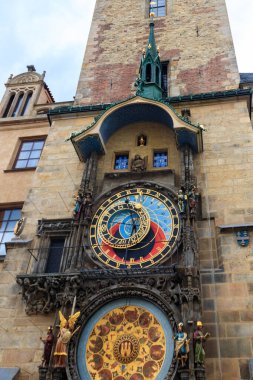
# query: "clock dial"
[132,220]
[135,228]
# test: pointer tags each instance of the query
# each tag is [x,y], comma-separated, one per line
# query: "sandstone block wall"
[15,185]
[20,344]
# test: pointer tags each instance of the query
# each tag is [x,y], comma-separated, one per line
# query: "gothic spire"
[149,81]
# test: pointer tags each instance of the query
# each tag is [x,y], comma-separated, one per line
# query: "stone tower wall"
[194,37]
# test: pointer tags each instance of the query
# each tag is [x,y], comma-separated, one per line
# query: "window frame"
[13,102]
[165,150]
[9,104]
[52,239]
[3,208]
[23,140]
[151,8]
[116,154]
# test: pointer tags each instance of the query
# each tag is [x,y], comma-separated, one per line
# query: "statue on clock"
[139,164]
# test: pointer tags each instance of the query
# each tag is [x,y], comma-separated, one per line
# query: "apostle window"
[121,161]
[157,8]
[29,154]
[8,220]
[160,159]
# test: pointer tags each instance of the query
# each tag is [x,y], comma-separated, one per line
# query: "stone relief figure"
[139,84]
[83,202]
[78,199]
[199,341]
[138,164]
[87,204]
[192,195]
[48,345]
[181,345]
[65,334]
[181,201]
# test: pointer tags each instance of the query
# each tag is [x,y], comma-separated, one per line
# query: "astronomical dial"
[135,228]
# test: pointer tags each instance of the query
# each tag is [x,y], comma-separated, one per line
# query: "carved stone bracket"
[44,293]
[50,225]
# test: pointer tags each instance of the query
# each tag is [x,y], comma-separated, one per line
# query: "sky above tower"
[52,34]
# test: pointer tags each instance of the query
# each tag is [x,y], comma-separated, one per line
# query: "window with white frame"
[29,153]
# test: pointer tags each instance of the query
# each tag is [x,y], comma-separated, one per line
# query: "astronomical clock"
[129,338]
[135,228]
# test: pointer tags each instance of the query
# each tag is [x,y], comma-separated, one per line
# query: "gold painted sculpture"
[65,334]
[19,226]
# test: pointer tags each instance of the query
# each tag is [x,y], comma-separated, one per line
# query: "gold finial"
[152,14]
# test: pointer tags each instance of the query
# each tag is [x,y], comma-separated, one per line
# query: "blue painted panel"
[90,144]
[131,114]
[185,137]
[121,162]
[8,373]
[160,160]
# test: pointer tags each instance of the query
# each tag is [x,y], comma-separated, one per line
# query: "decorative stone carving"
[44,293]
[25,78]
[51,225]
[139,164]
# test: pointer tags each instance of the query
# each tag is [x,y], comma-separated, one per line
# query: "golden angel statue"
[64,336]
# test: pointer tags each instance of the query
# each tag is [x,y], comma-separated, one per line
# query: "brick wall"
[194,36]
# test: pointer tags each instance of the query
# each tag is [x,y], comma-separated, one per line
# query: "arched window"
[9,104]
[18,105]
[148,72]
[27,102]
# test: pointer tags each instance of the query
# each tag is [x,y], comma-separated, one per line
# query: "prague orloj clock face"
[135,228]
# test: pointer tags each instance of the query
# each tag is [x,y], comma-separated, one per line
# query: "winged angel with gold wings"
[65,334]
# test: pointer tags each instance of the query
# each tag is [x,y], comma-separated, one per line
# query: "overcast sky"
[52,34]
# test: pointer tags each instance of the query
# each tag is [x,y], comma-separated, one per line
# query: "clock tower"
[149,150]
[134,265]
